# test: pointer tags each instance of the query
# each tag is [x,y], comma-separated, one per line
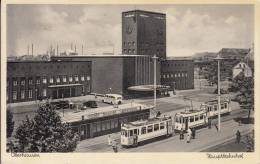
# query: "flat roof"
[143,11]
[179,58]
[99,56]
[64,85]
[146,122]
[101,112]
[147,87]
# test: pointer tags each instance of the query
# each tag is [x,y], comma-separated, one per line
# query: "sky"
[189,28]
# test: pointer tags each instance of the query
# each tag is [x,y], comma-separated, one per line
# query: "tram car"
[190,119]
[133,133]
[211,107]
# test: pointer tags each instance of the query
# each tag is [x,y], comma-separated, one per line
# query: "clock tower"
[144,33]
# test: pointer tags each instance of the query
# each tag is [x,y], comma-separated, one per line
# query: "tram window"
[196,117]
[209,108]
[131,132]
[156,127]
[126,133]
[225,105]
[150,129]
[98,126]
[191,119]
[201,117]
[222,106]
[215,107]
[143,130]
[162,125]
[177,119]
[135,131]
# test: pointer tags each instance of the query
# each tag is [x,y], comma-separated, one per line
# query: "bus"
[114,99]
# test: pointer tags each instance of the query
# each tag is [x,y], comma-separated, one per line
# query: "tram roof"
[101,112]
[146,122]
[215,101]
[190,112]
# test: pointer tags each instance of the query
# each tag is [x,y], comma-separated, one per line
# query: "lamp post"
[154,80]
[218,58]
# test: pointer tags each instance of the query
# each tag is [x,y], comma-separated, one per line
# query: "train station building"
[33,80]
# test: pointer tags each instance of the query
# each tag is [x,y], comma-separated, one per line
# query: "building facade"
[178,73]
[116,73]
[33,80]
[242,67]
[144,33]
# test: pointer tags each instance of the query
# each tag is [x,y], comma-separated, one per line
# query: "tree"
[45,133]
[9,123]
[244,86]
[210,73]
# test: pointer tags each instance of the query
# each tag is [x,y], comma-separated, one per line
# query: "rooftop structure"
[77,116]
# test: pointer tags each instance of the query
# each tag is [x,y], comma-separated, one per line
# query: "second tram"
[211,107]
[190,119]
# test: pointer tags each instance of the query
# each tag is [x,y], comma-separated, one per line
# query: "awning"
[148,88]
[64,85]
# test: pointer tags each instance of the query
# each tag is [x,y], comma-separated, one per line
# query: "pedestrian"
[193,133]
[114,146]
[188,135]
[209,123]
[109,140]
[238,136]
[181,134]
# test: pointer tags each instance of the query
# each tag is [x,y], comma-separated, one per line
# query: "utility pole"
[218,58]
[154,79]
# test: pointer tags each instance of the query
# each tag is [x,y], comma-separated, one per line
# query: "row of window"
[38,67]
[129,43]
[176,64]
[23,94]
[129,51]
[164,76]
[190,118]
[58,79]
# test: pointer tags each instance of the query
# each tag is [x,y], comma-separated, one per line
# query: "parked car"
[91,104]
[56,105]
[64,104]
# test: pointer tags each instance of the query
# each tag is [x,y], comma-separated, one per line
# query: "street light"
[218,58]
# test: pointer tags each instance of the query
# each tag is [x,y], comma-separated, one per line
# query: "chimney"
[57,50]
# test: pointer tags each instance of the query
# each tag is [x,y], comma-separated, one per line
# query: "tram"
[211,107]
[190,119]
[133,133]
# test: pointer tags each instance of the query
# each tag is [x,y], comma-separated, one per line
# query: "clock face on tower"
[129,29]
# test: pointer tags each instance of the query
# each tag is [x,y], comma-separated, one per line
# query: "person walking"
[181,134]
[193,133]
[238,136]
[209,123]
[188,135]
[109,140]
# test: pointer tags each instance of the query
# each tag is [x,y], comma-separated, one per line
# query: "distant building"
[178,73]
[144,33]
[33,80]
[231,57]
[242,67]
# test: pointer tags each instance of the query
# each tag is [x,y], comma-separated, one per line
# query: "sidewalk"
[205,138]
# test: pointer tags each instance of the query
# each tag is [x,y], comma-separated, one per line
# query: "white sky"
[190,28]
